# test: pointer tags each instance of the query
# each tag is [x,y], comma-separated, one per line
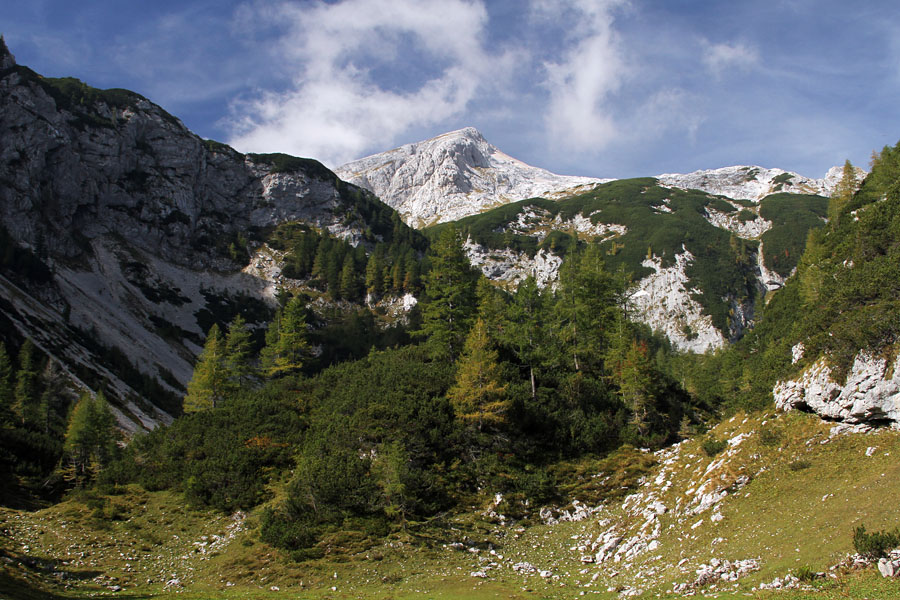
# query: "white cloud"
[720,58]
[364,72]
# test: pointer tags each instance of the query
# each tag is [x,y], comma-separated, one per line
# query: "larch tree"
[842,194]
[90,436]
[478,397]
[209,384]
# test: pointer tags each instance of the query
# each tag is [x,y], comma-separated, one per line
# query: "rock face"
[142,229]
[871,394]
[663,301]
[754,183]
[452,176]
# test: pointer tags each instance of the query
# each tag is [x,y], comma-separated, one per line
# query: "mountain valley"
[435,371]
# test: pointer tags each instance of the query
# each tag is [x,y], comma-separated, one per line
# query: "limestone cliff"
[142,229]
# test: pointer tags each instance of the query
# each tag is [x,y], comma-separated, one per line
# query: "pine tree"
[478,396]
[238,354]
[209,383]
[449,308]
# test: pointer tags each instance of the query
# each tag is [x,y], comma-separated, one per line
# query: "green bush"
[875,545]
[713,446]
[806,574]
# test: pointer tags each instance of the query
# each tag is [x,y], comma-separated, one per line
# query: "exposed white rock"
[511,267]
[663,301]
[748,230]
[771,280]
[454,175]
[744,182]
[870,394]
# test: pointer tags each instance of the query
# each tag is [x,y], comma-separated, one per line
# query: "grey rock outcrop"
[142,229]
[452,176]
[871,394]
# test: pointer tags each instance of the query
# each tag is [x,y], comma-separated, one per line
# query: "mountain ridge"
[453,175]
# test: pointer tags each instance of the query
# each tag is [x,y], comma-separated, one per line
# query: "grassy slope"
[807,493]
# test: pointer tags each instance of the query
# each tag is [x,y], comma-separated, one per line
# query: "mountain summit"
[452,176]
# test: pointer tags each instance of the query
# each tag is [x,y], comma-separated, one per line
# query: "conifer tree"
[209,383]
[90,437]
[390,468]
[238,359]
[635,376]
[525,329]
[286,340]
[842,194]
[478,396]
[492,308]
[588,302]
[26,392]
[373,275]
[349,283]
[7,395]
[450,297]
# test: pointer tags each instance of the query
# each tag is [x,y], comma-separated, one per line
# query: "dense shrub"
[877,544]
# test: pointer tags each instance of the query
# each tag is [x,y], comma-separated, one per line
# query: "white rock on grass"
[867,396]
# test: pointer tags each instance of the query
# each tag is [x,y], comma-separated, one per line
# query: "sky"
[602,88]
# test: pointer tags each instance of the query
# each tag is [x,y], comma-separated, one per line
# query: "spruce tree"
[349,282]
[449,306]
[478,397]
[525,330]
[238,354]
[636,379]
[209,383]
[588,302]
[286,340]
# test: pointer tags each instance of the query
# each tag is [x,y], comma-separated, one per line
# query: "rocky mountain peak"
[453,175]
[7,60]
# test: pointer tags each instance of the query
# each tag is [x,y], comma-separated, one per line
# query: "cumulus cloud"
[581,82]
[720,58]
[363,72]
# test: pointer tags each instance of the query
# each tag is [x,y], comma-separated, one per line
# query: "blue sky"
[605,88]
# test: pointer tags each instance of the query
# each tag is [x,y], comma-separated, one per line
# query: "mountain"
[452,176]
[700,263]
[125,235]
[754,183]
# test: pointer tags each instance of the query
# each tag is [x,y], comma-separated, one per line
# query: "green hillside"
[661,222]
